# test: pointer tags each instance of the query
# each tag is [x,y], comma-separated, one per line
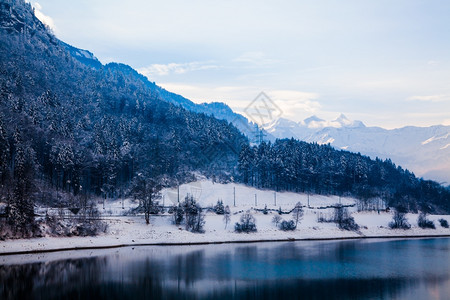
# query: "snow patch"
[435,138]
[84,53]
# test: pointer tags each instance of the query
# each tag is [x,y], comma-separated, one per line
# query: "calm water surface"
[372,269]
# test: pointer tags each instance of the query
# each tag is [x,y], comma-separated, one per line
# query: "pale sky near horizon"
[386,63]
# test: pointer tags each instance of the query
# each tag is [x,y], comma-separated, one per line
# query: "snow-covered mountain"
[423,150]
[217,109]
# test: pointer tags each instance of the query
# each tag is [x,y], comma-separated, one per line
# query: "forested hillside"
[217,109]
[71,128]
[292,165]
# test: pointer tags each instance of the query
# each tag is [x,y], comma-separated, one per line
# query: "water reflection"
[401,269]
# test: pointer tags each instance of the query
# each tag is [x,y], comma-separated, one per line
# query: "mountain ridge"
[219,110]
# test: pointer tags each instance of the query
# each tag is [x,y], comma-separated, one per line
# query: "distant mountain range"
[423,150]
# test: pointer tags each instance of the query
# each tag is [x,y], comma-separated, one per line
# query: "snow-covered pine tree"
[21,209]
[219,208]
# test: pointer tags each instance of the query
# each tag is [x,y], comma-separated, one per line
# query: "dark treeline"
[291,165]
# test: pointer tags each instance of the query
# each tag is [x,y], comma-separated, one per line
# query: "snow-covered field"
[132,230]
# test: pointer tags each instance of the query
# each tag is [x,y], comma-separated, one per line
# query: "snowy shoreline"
[131,230]
[112,246]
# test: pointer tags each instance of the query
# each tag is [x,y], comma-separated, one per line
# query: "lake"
[353,269]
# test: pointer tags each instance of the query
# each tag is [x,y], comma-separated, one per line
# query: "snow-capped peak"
[279,123]
[343,121]
[313,119]
[315,122]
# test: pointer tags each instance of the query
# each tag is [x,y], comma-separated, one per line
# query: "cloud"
[446,122]
[430,98]
[255,58]
[236,97]
[295,104]
[176,68]
[42,17]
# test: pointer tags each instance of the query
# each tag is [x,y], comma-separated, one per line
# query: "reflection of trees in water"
[294,271]
[168,276]
[344,249]
[312,289]
[247,252]
[189,267]
[16,282]
[221,267]
[48,280]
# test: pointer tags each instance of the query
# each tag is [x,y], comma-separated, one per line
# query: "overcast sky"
[386,63]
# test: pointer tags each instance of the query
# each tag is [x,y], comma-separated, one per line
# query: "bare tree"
[199,221]
[247,223]
[423,222]
[147,190]
[276,220]
[399,219]
[342,217]
[340,214]
[227,216]
[297,213]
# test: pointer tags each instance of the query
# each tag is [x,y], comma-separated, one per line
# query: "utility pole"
[234,196]
[256,201]
[178,188]
[259,135]
[308,200]
[275,198]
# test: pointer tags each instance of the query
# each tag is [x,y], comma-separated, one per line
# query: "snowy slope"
[423,150]
[208,193]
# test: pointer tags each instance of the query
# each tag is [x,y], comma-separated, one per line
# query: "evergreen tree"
[4,152]
[219,208]
[21,207]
